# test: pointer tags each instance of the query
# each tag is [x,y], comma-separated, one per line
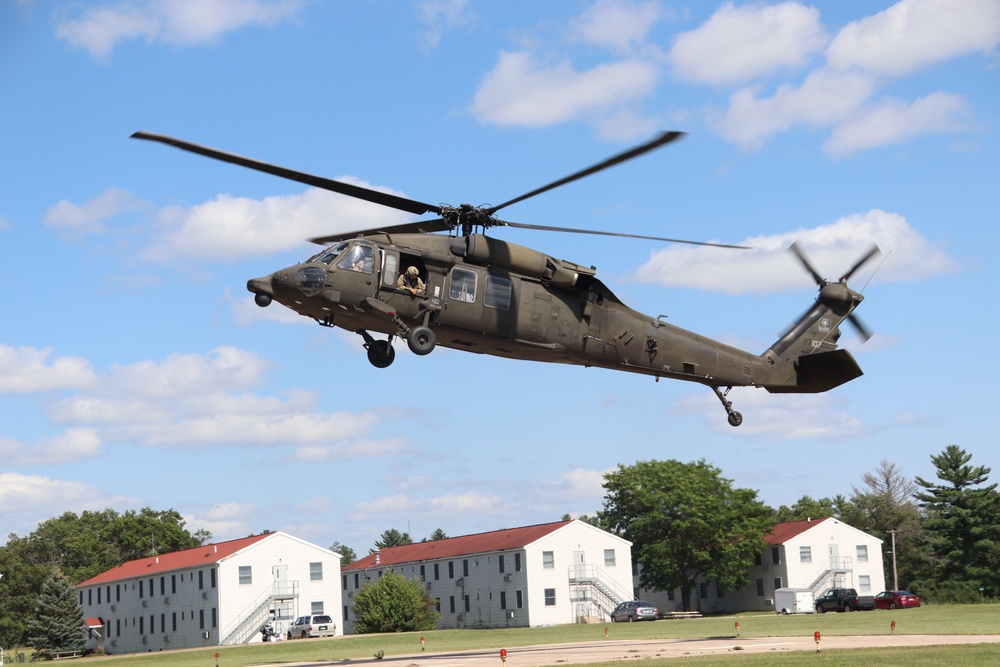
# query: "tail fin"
[806,358]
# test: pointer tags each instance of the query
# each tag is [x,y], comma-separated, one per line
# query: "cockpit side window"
[330,254]
[360,258]
[390,269]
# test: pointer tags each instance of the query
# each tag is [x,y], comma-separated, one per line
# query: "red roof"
[786,531]
[177,560]
[497,540]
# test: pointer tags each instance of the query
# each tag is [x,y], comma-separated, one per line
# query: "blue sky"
[135,369]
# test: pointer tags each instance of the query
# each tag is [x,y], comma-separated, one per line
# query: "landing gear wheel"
[421,340]
[381,354]
[735,418]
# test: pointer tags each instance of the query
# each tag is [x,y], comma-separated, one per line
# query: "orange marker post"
[737,628]
[503,656]
[421,643]
[216,658]
[816,637]
[892,628]
[605,632]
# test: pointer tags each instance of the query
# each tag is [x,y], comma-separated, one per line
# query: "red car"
[896,600]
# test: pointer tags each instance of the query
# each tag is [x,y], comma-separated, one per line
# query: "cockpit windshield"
[359,258]
[327,256]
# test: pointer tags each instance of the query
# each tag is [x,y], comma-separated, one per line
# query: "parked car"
[319,625]
[844,599]
[635,610]
[896,600]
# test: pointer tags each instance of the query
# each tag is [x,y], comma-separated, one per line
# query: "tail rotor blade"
[873,252]
[806,263]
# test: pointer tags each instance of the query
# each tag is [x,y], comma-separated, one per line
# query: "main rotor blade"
[873,252]
[806,263]
[545,228]
[660,140]
[358,192]
[420,227]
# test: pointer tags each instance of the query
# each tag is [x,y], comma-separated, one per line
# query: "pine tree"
[58,622]
[963,525]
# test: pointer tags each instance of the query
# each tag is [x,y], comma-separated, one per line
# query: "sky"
[136,371]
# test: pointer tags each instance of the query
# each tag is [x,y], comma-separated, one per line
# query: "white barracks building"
[548,574]
[211,595]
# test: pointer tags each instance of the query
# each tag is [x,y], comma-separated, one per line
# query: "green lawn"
[935,619]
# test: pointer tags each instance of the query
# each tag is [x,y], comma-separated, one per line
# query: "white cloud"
[339,448]
[224,368]
[402,507]
[777,417]
[178,22]
[231,228]
[616,24]
[824,99]
[740,44]
[88,218]
[441,15]
[25,500]
[74,445]
[26,370]
[522,92]
[895,122]
[913,34]
[831,248]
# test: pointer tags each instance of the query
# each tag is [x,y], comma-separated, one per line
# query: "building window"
[503,599]
[519,599]
[118,592]
[317,607]
[163,622]
[118,627]
[451,604]
[344,579]
[517,562]
[703,590]
[437,605]
[201,619]
[865,582]
[142,625]
[173,621]
[163,585]
[140,591]
[465,567]
[805,555]
[550,597]
[758,559]
[777,583]
[609,558]
[357,582]
[862,553]
[760,587]
[670,595]
[498,292]
[315,571]
[499,558]
[437,571]
[423,573]
[718,591]
[451,569]
[548,560]
[201,585]
[246,575]
[467,606]
[173,584]
[775,556]
[212,577]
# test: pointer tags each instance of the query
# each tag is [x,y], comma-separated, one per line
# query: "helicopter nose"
[262,290]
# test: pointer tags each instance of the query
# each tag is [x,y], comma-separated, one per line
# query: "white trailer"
[793,601]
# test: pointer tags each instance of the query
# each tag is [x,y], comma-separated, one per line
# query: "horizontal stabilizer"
[815,373]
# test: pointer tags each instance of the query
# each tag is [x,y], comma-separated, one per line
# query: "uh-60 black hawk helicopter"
[485,295]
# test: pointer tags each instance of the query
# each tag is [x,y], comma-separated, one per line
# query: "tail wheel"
[381,354]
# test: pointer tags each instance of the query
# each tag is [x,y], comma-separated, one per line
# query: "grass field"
[928,620]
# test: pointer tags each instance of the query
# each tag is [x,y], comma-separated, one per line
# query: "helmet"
[412,271]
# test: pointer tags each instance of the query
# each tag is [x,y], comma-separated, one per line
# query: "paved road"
[590,652]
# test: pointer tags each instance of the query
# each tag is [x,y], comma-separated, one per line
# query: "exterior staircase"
[258,612]
[594,593]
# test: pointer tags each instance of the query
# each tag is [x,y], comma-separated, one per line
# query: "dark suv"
[838,599]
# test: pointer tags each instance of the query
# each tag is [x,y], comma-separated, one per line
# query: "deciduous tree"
[686,522]
[394,603]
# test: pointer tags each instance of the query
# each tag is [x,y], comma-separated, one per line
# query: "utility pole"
[895,578]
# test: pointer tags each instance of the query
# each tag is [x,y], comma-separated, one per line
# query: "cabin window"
[390,270]
[805,555]
[463,285]
[360,258]
[497,292]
